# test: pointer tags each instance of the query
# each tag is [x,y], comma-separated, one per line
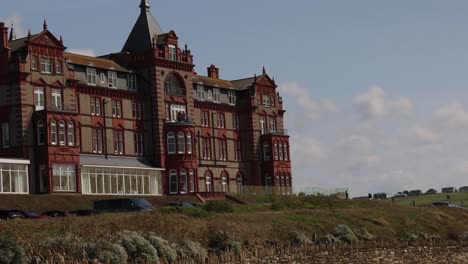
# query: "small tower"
[12,32]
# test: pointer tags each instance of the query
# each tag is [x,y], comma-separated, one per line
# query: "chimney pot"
[213,72]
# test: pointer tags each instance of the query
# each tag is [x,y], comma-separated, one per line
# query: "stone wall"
[369,252]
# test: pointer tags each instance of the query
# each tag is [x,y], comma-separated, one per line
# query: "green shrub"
[218,206]
[165,249]
[299,237]
[223,240]
[344,233]
[70,246]
[136,245]
[194,250]
[413,236]
[364,234]
[11,251]
[106,252]
[330,239]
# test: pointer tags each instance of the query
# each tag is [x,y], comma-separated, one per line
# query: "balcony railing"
[66,107]
[283,132]
[175,91]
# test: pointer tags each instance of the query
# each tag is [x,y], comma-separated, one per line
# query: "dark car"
[123,205]
[84,212]
[181,204]
[447,204]
[11,214]
[33,215]
[56,213]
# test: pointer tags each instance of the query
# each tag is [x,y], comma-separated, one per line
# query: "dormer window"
[34,63]
[91,75]
[132,82]
[46,65]
[172,52]
[216,95]
[201,93]
[112,78]
[232,97]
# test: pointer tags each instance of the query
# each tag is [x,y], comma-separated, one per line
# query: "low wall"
[369,252]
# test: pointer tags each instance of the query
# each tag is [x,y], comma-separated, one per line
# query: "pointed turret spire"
[45,25]
[145,30]
[264,71]
[12,32]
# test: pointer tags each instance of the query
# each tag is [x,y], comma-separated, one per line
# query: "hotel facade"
[136,122]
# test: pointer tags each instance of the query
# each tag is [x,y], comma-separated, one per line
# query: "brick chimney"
[213,72]
[4,32]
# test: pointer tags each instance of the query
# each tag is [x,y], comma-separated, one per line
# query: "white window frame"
[97,139]
[183,181]
[53,132]
[172,52]
[232,97]
[62,133]
[191,181]
[262,125]
[66,173]
[46,65]
[5,135]
[266,100]
[119,142]
[175,109]
[71,133]
[189,143]
[201,93]
[216,95]
[181,142]
[138,138]
[112,79]
[173,182]
[273,125]
[34,62]
[59,66]
[39,101]
[95,106]
[132,82]
[91,75]
[171,143]
[116,108]
[56,95]
[137,111]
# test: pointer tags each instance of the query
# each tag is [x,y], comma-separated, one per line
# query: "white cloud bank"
[310,108]
[17,22]
[373,104]
[452,114]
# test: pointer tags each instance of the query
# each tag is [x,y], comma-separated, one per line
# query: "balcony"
[175,91]
[283,132]
[63,108]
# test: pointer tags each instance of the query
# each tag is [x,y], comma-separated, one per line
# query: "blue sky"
[384,83]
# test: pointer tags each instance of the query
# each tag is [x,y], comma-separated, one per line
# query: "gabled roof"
[17,43]
[93,62]
[244,84]
[212,82]
[144,31]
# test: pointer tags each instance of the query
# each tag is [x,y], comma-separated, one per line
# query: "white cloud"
[86,52]
[310,107]
[373,105]
[420,134]
[17,24]
[452,114]
[355,144]
[305,150]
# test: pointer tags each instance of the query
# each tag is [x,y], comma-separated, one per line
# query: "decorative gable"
[46,38]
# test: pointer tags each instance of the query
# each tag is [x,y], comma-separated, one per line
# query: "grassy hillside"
[455,198]
[264,219]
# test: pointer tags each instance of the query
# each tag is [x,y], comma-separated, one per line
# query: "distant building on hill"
[448,190]
[431,191]
[137,122]
[379,196]
[415,192]
[463,189]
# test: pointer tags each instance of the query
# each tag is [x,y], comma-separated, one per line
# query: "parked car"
[56,213]
[447,204]
[11,214]
[33,215]
[181,204]
[84,212]
[123,205]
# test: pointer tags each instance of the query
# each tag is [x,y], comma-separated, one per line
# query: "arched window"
[189,143]
[173,85]
[40,133]
[183,181]
[173,182]
[280,151]
[71,134]
[224,182]
[62,138]
[171,147]
[208,181]
[181,142]
[191,181]
[239,182]
[53,132]
[275,149]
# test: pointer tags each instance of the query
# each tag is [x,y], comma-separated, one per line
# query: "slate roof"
[112,161]
[145,29]
[94,62]
[212,82]
[244,84]
[17,43]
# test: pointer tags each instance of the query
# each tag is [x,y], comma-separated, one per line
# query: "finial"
[45,25]
[144,4]
[12,32]
[273,79]
[61,39]
[264,72]
[185,47]
[255,78]
[29,33]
